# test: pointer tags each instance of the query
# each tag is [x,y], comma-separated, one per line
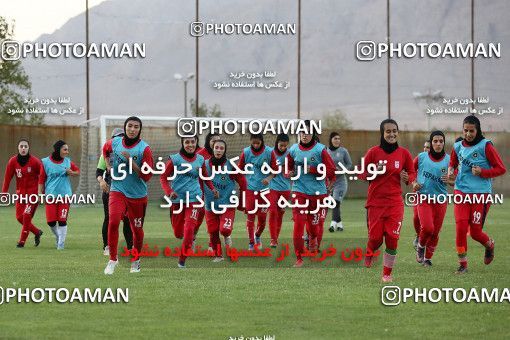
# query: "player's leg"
[190,221]
[261,224]
[249,204]
[281,212]
[273,217]
[52,218]
[227,225]
[335,217]
[375,232]
[63,213]
[104,230]
[339,191]
[177,221]
[213,229]
[417,226]
[461,212]
[28,214]
[136,214]
[439,211]
[426,216]
[200,219]
[20,207]
[392,224]
[323,212]
[117,207]
[126,230]
[478,214]
[300,220]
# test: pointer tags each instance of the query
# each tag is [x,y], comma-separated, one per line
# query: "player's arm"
[9,172]
[148,159]
[274,167]
[243,185]
[163,179]
[409,168]
[330,166]
[42,180]
[107,151]
[416,185]
[368,160]
[497,167]
[73,170]
[208,182]
[347,160]
[454,163]
[241,162]
[100,170]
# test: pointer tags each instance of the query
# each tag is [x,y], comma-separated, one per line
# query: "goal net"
[161,135]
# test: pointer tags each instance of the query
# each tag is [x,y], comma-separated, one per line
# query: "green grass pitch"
[204,302]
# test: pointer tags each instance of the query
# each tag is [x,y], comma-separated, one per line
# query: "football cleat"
[135,267]
[489,253]
[461,270]
[228,241]
[37,239]
[299,263]
[110,267]
[387,279]
[420,254]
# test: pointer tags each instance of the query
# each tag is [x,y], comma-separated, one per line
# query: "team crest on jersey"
[223,177]
[29,169]
[397,164]
[312,159]
[135,158]
[18,173]
[475,154]
[443,170]
[461,158]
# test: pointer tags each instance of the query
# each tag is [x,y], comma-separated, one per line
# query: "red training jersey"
[27,176]
[385,189]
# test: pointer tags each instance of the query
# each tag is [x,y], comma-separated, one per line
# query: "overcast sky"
[34,18]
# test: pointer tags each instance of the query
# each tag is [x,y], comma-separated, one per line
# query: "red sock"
[24,235]
[250,227]
[279,223]
[261,223]
[189,228]
[299,228]
[273,224]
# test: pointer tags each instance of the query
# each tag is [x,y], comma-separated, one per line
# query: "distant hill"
[331,76]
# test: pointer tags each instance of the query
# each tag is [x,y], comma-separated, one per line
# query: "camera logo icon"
[391,295]
[197,29]
[10,50]
[411,199]
[5,199]
[187,127]
[365,50]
